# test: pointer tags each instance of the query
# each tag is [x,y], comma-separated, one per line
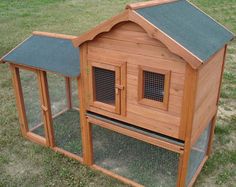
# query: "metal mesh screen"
[75,91]
[67,132]
[31,97]
[198,153]
[153,86]
[104,81]
[141,162]
[57,92]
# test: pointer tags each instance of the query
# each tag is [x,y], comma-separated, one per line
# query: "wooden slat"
[68,154]
[136,135]
[103,54]
[131,36]
[139,5]
[55,35]
[135,48]
[124,180]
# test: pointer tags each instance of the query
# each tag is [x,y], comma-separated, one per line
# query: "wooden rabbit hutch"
[148,83]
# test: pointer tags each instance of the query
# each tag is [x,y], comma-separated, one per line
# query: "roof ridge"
[134,6]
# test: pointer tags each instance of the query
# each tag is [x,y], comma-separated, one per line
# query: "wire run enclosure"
[135,97]
[49,109]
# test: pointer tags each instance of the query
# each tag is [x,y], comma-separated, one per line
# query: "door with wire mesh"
[105,87]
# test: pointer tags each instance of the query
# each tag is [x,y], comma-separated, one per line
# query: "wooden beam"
[55,35]
[191,77]
[68,154]
[123,179]
[19,99]
[139,5]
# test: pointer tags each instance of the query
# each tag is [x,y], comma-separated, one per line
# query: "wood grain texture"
[209,80]
[139,5]
[110,50]
[54,35]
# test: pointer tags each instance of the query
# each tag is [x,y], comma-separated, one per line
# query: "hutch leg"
[86,131]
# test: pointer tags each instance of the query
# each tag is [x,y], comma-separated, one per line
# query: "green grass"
[23,163]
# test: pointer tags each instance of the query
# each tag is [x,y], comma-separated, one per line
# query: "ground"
[23,163]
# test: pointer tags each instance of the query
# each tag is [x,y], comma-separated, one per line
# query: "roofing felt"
[189,26]
[47,53]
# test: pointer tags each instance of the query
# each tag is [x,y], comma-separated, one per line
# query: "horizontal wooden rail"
[139,5]
[55,35]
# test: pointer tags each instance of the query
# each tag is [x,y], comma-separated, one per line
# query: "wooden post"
[86,131]
[19,99]
[68,92]
[46,107]
[187,118]
[215,117]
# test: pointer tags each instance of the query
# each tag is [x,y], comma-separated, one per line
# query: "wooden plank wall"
[209,78]
[129,42]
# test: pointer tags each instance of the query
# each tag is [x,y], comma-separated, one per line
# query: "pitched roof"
[189,26]
[50,53]
[182,27]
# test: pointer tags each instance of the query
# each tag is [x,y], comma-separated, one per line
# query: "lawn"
[23,163]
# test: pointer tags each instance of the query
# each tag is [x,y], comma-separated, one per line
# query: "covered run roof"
[47,53]
[189,26]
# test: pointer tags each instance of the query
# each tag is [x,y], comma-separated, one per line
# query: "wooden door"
[105,86]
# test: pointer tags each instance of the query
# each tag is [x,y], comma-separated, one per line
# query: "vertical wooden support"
[46,107]
[218,98]
[187,118]
[86,131]
[68,92]
[19,99]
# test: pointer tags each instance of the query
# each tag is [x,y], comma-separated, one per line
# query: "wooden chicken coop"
[136,97]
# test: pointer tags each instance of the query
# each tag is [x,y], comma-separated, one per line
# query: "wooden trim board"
[139,5]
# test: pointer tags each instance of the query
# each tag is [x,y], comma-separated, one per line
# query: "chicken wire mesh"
[153,86]
[29,83]
[104,81]
[141,162]
[66,126]
[198,152]
[74,93]
[57,92]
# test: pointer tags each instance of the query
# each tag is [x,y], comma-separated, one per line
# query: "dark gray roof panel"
[190,27]
[46,53]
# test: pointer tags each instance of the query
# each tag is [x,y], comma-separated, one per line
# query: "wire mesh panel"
[29,83]
[198,153]
[75,91]
[67,132]
[141,162]
[66,122]
[104,84]
[153,86]
[57,92]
